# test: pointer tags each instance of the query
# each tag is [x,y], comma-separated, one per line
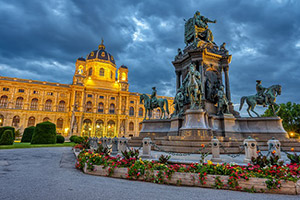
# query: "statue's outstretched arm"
[210,21]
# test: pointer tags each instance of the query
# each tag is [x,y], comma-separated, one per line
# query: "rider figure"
[261,92]
[153,97]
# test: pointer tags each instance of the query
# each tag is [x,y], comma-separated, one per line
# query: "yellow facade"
[98,102]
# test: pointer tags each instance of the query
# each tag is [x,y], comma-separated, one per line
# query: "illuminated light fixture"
[66,130]
[90,129]
[89,78]
[292,134]
[98,126]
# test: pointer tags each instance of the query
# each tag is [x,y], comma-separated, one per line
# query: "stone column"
[146,147]
[250,145]
[178,82]
[274,147]
[227,86]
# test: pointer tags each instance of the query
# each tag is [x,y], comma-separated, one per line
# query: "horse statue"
[161,103]
[271,94]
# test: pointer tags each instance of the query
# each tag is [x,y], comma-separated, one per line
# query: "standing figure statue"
[223,107]
[192,83]
[151,103]
[264,96]
[178,103]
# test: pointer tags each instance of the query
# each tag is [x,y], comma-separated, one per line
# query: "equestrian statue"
[264,97]
[153,102]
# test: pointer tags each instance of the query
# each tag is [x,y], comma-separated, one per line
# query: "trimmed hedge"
[27,135]
[7,138]
[60,139]
[72,138]
[78,140]
[2,129]
[44,133]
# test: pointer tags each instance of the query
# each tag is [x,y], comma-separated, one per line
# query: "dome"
[123,66]
[101,54]
[81,59]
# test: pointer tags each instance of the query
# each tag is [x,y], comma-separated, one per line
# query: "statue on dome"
[196,28]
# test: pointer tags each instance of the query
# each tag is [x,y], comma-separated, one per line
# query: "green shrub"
[27,135]
[2,129]
[44,133]
[72,138]
[7,138]
[78,140]
[60,139]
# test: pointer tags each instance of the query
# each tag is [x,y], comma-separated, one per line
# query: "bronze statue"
[197,28]
[270,95]
[260,93]
[179,54]
[223,49]
[178,103]
[151,104]
[192,83]
[223,107]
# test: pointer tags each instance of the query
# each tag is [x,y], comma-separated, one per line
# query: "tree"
[290,114]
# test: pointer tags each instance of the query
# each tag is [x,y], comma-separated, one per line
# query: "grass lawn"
[28,145]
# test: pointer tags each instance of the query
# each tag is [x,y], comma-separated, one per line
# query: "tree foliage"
[290,114]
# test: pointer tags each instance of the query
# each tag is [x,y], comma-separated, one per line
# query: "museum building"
[97,103]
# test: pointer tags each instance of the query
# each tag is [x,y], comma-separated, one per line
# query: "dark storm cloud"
[41,36]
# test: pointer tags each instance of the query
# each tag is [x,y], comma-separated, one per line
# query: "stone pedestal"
[215,150]
[274,145]
[146,148]
[176,124]
[195,124]
[155,128]
[250,145]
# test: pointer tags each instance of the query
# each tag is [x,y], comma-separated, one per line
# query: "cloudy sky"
[41,40]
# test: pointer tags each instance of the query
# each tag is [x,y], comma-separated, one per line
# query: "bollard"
[250,145]
[274,146]
[104,143]
[215,150]
[146,147]
[114,146]
[122,144]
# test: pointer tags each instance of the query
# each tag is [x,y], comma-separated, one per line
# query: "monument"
[203,106]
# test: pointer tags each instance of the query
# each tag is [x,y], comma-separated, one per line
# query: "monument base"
[155,128]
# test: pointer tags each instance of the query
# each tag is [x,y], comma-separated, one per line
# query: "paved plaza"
[49,173]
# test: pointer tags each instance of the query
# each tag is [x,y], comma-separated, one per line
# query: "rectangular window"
[131,101]
[90,95]
[101,97]
[35,92]
[50,93]
[112,98]
[5,89]
[21,90]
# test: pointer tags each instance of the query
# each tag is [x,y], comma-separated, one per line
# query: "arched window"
[31,121]
[112,109]
[3,101]
[131,126]
[131,111]
[60,123]
[1,120]
[87,127]
[89,106]
[16,121]
[90,71]
[99,128]
[157,113]
[141,112]
[46,119]
[111,128]
[34,104]
[123,76]
[19,103]
[48,105]
[101,72]
[61,106]
[100,108]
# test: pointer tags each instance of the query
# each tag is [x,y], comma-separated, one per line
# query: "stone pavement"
[49,173]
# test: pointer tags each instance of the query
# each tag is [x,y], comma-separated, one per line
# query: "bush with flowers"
[154,171]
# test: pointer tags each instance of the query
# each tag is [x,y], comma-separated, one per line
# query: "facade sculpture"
[223,107]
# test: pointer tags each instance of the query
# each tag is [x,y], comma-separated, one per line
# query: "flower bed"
[283,179]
